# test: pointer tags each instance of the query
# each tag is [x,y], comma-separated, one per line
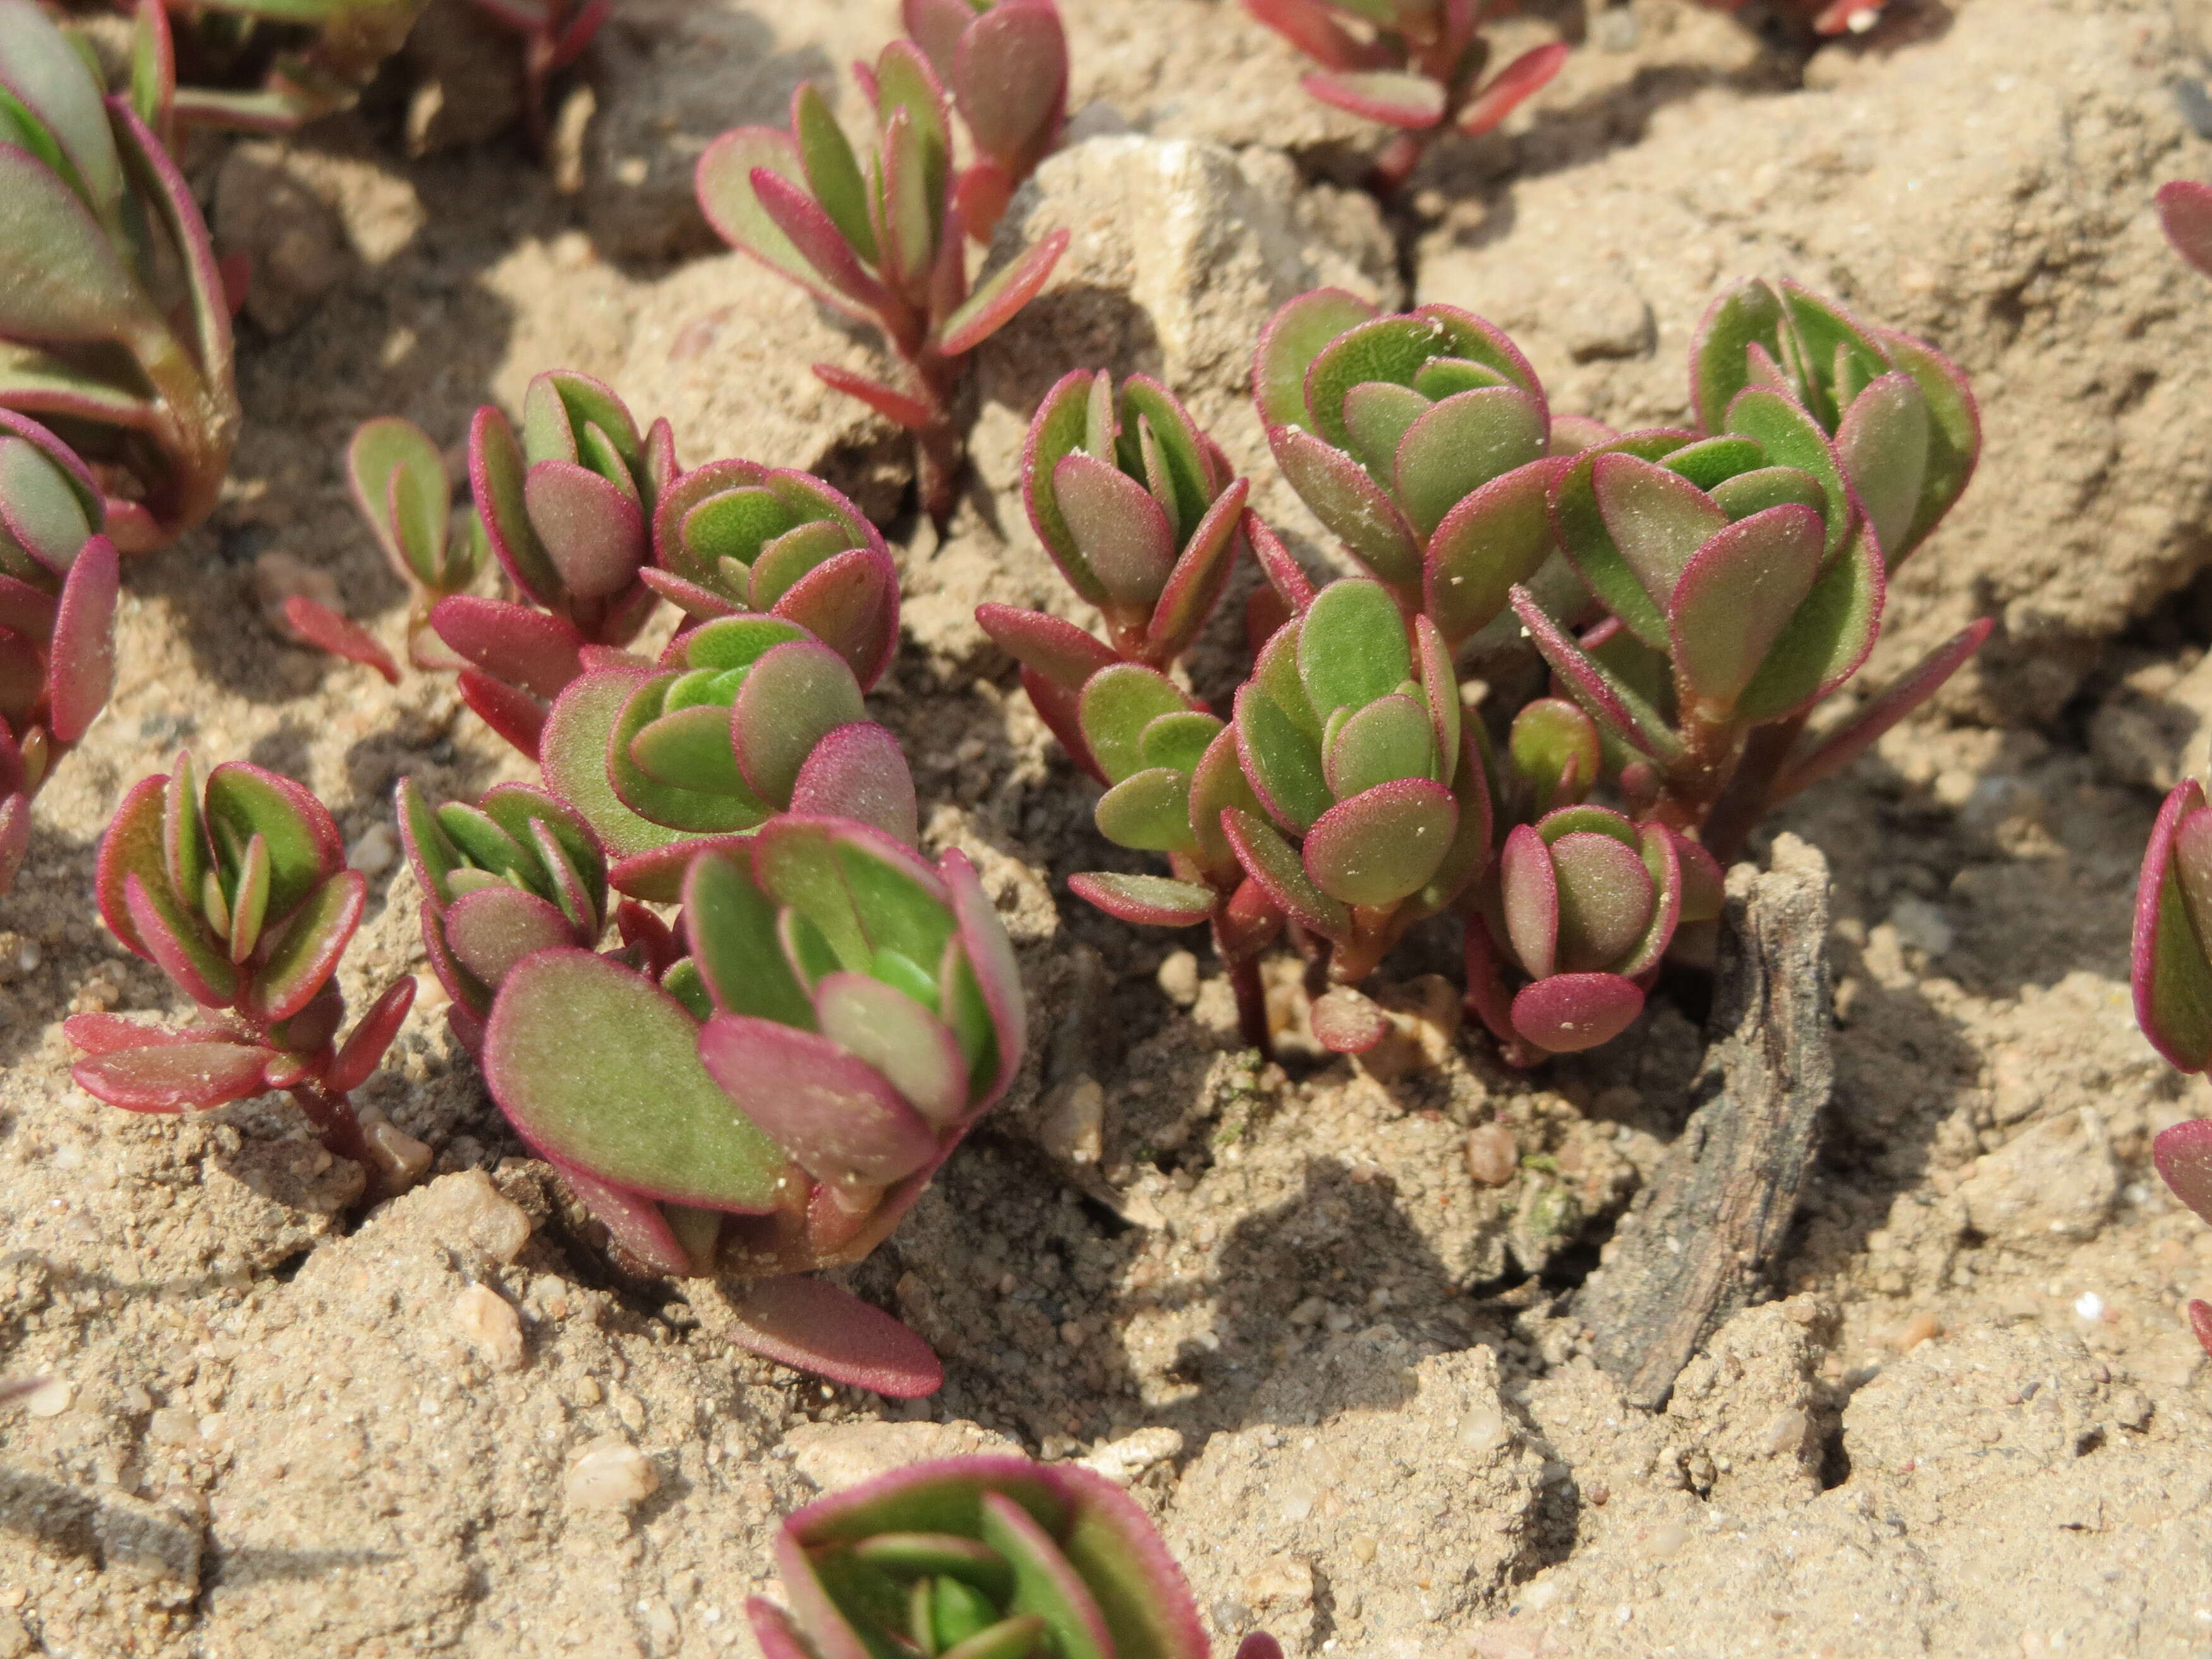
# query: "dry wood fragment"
[1699,1244]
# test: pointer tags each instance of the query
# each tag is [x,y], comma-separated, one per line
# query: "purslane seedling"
[1695,593]
[1416,65]
[236,888]
[880,235]
[776,1100]
[2171,967]
[114,326]
[567,507]
[57,589]
[981,1558]
[1005,63]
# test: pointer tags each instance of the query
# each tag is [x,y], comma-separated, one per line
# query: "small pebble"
[1784,1432]
[50,1398]
[377,850]
[610,1473]
[1122,1460]
[1178,978]
[401,1156]
[1923,1327]
[2088,1305]
[1074,1122]
[1491,1154]
[490,1323]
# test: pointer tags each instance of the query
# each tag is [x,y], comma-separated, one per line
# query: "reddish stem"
[341,1132]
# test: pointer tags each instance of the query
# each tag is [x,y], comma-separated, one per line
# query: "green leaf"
[1178,740]
[1391,348]
[1391,739]
[1116,705]
[1827,639]
[1459,446]
[1738,596]
[1148,811]
[1768,486]
[732,927]
[1713,461]
[1283,763]
[572,752]
[795,695]
[600,1069]
[1293,338]
[1750,312]
[833,171]
[730,642]
[304,848]
[1790,437]
[60,278]
[1353,647]
[1883,440]
[697,806]
[1382,846]
[1377,414]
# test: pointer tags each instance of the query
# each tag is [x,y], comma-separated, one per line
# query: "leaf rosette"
[776,1101]
[1423,442]
[980,1558]
[237,889]
[1350,737]
[59,578]
[113,319]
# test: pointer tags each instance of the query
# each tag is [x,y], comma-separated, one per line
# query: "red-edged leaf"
[1200,575]
[1354,507]
[723,181]
[1145,901]
[990,956]
[899,407]
[1285,574]
[1290,342]
[492,928]
[1603,697]
[1271,862]
[858,771]
[1737,596]
[173,1077]
[1000,297]
[318,625]
[1348,1022]
[1393,97]
[634,1222]
[177,943]
[2184,210]
[513,714]
[1569,1013]
[306,955]
[592,530]
[1313,31]
[517,643]
[2183,1154]
[106,1034]
[837,1114]
[818,241]
[1528,893]
[1383,844]
[2168,966]
[365,1045]
[1511,86]
[814,1326]
[851,604]
[81,657]
[1057,649]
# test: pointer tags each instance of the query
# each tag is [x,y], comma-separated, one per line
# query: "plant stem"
[1397,160]
[1251,1006]
[1733,816]
[332,1115]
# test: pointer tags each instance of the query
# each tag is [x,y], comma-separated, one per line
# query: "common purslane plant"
[1416,65]
[114,327]
[567,507]
[273,65]
[1695,592]
[237,889]
[880,236]
[981,1558]
[2171,973]
[776,1101]
[2170,967]
[1005,63]
[57,589]
[518,871]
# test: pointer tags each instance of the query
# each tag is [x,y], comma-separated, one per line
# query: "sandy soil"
[1322,1320]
